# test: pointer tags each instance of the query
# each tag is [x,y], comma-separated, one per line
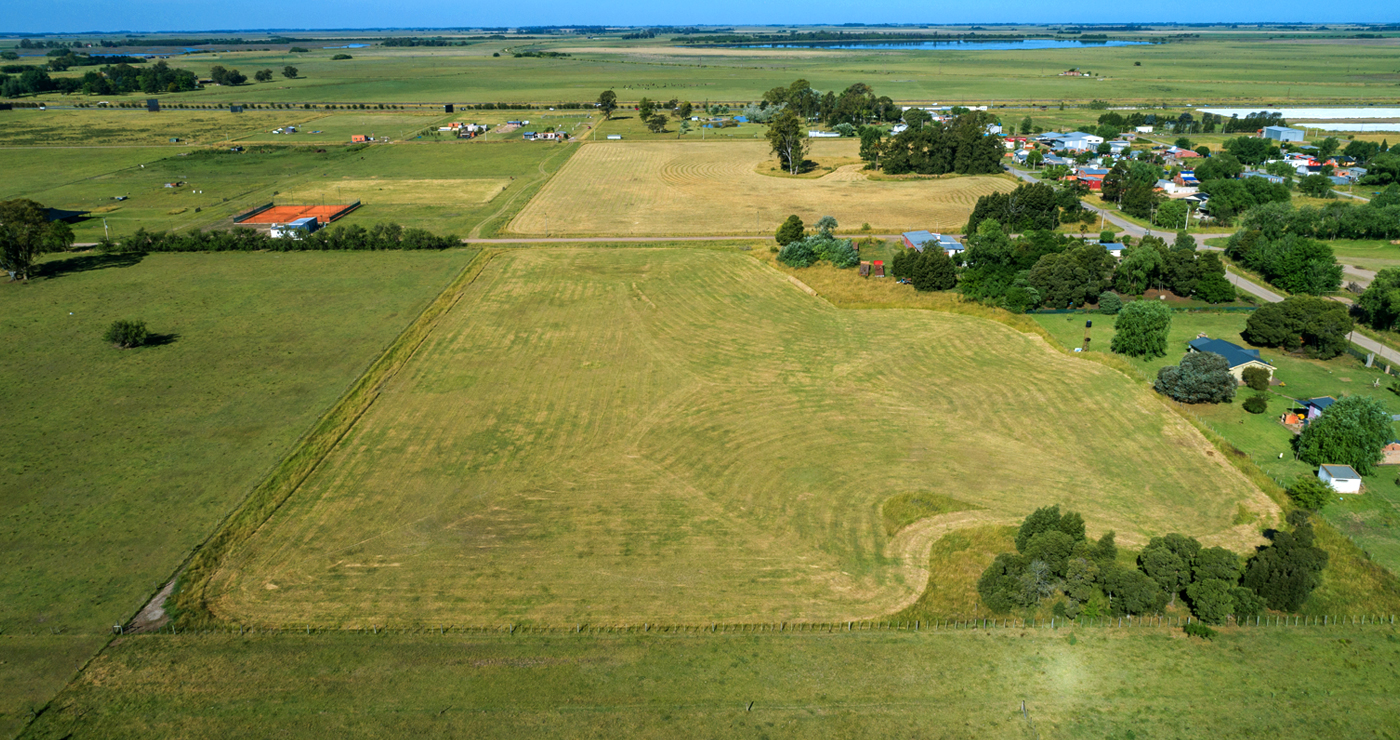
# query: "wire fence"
[1175,309]
[936,625]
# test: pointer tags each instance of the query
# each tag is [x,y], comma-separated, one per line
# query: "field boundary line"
[530,190]
[190,602]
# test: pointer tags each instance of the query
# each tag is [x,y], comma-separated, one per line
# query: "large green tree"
[1141,329]
[1319,325]
[26,233]
[607,103]
[1353,431]
[788,140]
[1202,377]
[1379,306]
[1285,573]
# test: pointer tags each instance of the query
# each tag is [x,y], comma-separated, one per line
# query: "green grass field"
[1283,682]
[683,436]
[119,462]
[445,187]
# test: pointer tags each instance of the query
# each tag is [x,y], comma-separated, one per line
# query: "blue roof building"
[1238,357]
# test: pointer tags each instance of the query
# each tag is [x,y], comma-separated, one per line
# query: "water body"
[1023,45]
[347,46]
[1312,114]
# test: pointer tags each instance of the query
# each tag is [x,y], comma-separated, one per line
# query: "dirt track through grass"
[683,436]
[636,189]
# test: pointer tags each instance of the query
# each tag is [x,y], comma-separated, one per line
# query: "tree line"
[1297,264]
[1378,219]
[354,237]
[110,80]
[1055,562]
[960,146]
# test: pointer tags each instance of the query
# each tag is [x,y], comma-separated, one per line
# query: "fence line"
[1175,309]
[715,628]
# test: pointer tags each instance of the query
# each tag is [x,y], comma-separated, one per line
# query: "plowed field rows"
[683,436]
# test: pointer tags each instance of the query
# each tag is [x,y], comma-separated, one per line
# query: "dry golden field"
[684,436]
[680,188]
[400,192]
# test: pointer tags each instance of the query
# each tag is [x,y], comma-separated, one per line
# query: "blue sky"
[184,15]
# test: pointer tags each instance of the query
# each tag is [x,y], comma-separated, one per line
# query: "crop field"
[1196,70]
[703,188]
[611,435]
[1075,683]
[118,462]
[126,127]
[445,187]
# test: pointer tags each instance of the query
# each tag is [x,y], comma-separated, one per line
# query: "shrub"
[1309,492]
[1257,378]
[127,334]
[1257,403]
[1196,629]
[1202,377]
[797,254]
[1141,329]
[338,57]
[790,231]
[1110,303]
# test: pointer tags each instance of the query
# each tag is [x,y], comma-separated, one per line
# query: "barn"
[1341,478]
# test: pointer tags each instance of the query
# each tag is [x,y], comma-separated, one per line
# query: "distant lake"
[348,46]
[1023,45]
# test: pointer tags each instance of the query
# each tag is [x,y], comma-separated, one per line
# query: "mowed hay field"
[683,436]
[675,188]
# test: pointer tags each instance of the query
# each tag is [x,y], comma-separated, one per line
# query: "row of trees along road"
[1055,561]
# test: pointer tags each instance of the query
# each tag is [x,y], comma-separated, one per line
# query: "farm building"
[1341,478]
[1078,141]
[359,139]
[1238,357]
[1314,407]
[1283,133]
[296,229]
[823,135]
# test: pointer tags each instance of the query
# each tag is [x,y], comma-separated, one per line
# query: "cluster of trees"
[931,269]
[1315,325]
[222,76]
[1180,268]
[1294,263]
[1027,208]
[799,249]
[856,105]
[26,233]
[1212,123]
[1377,219]
[1055,560]
[340,238]
[1131,184]
[1379,306]
[1353,431]
[1202,377]
[960,145]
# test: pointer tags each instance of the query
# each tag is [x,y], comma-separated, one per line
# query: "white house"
[1144,129]
[823,135]
[1078,141]
[1341,478]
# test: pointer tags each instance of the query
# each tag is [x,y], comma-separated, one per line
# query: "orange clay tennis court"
[272,214]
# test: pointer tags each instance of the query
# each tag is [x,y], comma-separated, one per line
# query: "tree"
[289,72]
[872,142]
[1257,403]
[1222,166]
[1171,214]
[1211,600]
[1326,148]
[607,103]
[1352,431]
[1181,272]
[1115,181]
[1131,591]
[1141,329]
[797,254]
[1026,125]
[788,140]
[126,334]
[263,75]
[1166,568]
[1034,158]
[1257,378]
[1218,563]
[826,225]
[684,109]
[790,230]
[1110,303]
[645,107]
[1285,573]
[1138,200]
[26,233]
[656,123]
[1310,493]
[1317,186]
[933,270]
[1319,325]
[1073,277]
[1379,306]
[1142,266]
[1202,377]
[1213,286]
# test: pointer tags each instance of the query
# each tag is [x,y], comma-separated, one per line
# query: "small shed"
[614,137]
[865,269]
[877,268]
[1341,478]
[359,138]
[1315,406]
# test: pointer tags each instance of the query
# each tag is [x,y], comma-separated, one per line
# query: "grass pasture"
[118,462]
[969,683]
[674,188]
[129,127]
[683,436]
[337,128]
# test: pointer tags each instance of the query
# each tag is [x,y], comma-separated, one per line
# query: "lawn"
[127,127]
[682,436]
[1277,682]
[337,127]
[119,462]
[675,188]
[1368,254]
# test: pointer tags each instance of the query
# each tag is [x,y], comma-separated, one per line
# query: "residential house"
[919,240]
[1264,176]
[1238,357]
[1078,141]
[1114,249]
[1143,129]
[1093,177]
